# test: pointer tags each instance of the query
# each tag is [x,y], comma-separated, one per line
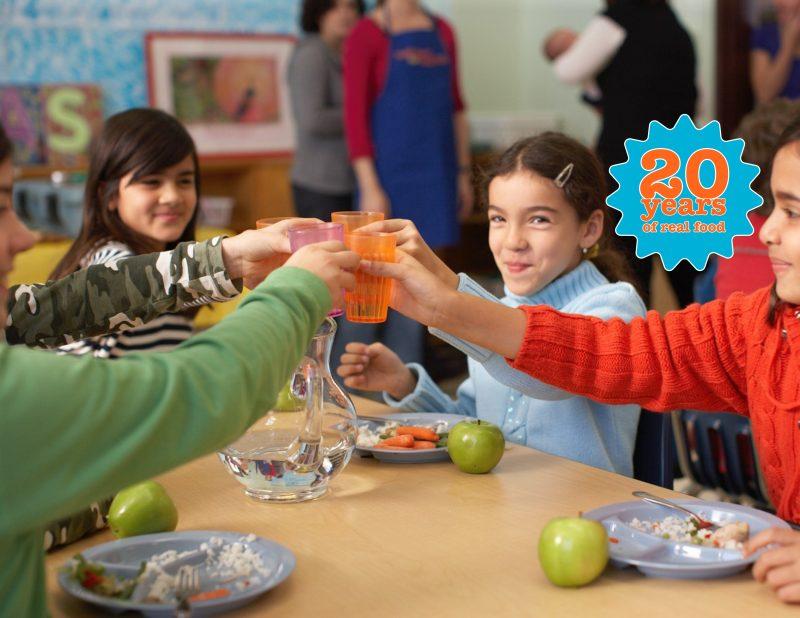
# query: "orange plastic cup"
[266,222]
[354,219]
[369,300]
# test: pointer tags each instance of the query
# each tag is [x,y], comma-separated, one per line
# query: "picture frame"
[228,89]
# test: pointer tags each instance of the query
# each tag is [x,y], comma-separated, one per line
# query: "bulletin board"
[103,41]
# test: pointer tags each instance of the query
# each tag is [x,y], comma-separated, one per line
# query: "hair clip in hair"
[564,175]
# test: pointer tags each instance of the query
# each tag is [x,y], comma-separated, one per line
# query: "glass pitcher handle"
[312,431]
[310,451]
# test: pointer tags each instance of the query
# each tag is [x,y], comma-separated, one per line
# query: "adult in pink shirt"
[406,129]
[408,139]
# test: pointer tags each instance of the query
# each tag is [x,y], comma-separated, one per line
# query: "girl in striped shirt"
[141,197]
[142,192]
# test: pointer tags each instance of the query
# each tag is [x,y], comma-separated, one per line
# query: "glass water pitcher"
[293,452]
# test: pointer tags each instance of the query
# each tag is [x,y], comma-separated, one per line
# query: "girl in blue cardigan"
[550,237]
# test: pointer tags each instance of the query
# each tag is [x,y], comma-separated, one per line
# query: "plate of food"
[408,437]
[661,543]
[214,572]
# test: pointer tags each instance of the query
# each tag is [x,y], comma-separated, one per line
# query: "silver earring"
[585,250]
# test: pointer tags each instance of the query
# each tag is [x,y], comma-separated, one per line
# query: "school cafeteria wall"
[503,70]
[102,41]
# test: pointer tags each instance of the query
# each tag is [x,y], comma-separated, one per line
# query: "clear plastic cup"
[354,219]
[314,233]
[369,300]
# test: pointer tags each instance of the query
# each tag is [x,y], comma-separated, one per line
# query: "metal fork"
[702,524]
[188,584]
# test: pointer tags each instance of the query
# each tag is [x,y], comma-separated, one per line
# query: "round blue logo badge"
[684,193]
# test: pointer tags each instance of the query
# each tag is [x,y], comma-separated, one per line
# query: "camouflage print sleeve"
[119,295]
[75,527]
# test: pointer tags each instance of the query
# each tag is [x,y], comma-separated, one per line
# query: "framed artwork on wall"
[228,89]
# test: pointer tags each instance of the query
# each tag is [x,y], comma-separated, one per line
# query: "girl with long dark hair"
[142,192]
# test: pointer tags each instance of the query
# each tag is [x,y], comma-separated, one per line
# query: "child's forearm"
[490,325]
[99,300]
[405,384]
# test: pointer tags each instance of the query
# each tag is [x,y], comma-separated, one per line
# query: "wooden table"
[429,540]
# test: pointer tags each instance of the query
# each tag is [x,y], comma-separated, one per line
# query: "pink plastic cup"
[314,233]
[311,234]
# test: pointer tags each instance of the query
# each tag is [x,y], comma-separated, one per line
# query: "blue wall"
[102,41]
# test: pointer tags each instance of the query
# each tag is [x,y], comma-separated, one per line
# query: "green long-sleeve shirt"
[140,416]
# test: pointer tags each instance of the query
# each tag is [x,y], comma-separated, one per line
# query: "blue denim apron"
[414,137]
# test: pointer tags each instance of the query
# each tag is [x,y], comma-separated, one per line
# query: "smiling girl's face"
[781,232]
[534,233]
[159,205]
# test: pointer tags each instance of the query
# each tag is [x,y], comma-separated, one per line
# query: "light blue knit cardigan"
[531,412]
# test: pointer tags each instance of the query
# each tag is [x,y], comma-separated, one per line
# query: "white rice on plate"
[679,530]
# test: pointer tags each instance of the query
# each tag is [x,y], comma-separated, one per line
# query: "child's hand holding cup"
[368,302]
[254,254]
[330,262]
[304,235]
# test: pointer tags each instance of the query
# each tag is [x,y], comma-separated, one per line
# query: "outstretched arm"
[105,298]
[692,358]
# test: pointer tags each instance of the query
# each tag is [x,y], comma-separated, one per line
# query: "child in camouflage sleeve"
[134,149]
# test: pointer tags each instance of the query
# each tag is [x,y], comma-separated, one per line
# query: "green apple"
[475,446]
[286,401]
[573,551]
[144,508]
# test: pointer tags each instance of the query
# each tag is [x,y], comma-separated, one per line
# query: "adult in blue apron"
[415,159]
[413,134]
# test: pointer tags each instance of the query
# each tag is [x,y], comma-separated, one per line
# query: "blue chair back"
[716,451]
[652,455]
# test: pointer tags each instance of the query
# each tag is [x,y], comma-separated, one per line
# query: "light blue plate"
[657,557]
[411,456]
[278,561]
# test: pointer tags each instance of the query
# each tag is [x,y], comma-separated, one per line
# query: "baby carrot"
[420,433]
[420,444]
[209,595]
[395,441]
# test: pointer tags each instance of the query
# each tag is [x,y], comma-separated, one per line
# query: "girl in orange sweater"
[739,355]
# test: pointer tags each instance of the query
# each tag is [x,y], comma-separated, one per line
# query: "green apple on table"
[573,551]
[144,508]
[475,446]
[287,402]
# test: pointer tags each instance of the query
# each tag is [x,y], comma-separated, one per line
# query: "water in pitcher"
[275,464]
[291,455]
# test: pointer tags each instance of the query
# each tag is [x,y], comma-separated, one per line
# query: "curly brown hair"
[761,130]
